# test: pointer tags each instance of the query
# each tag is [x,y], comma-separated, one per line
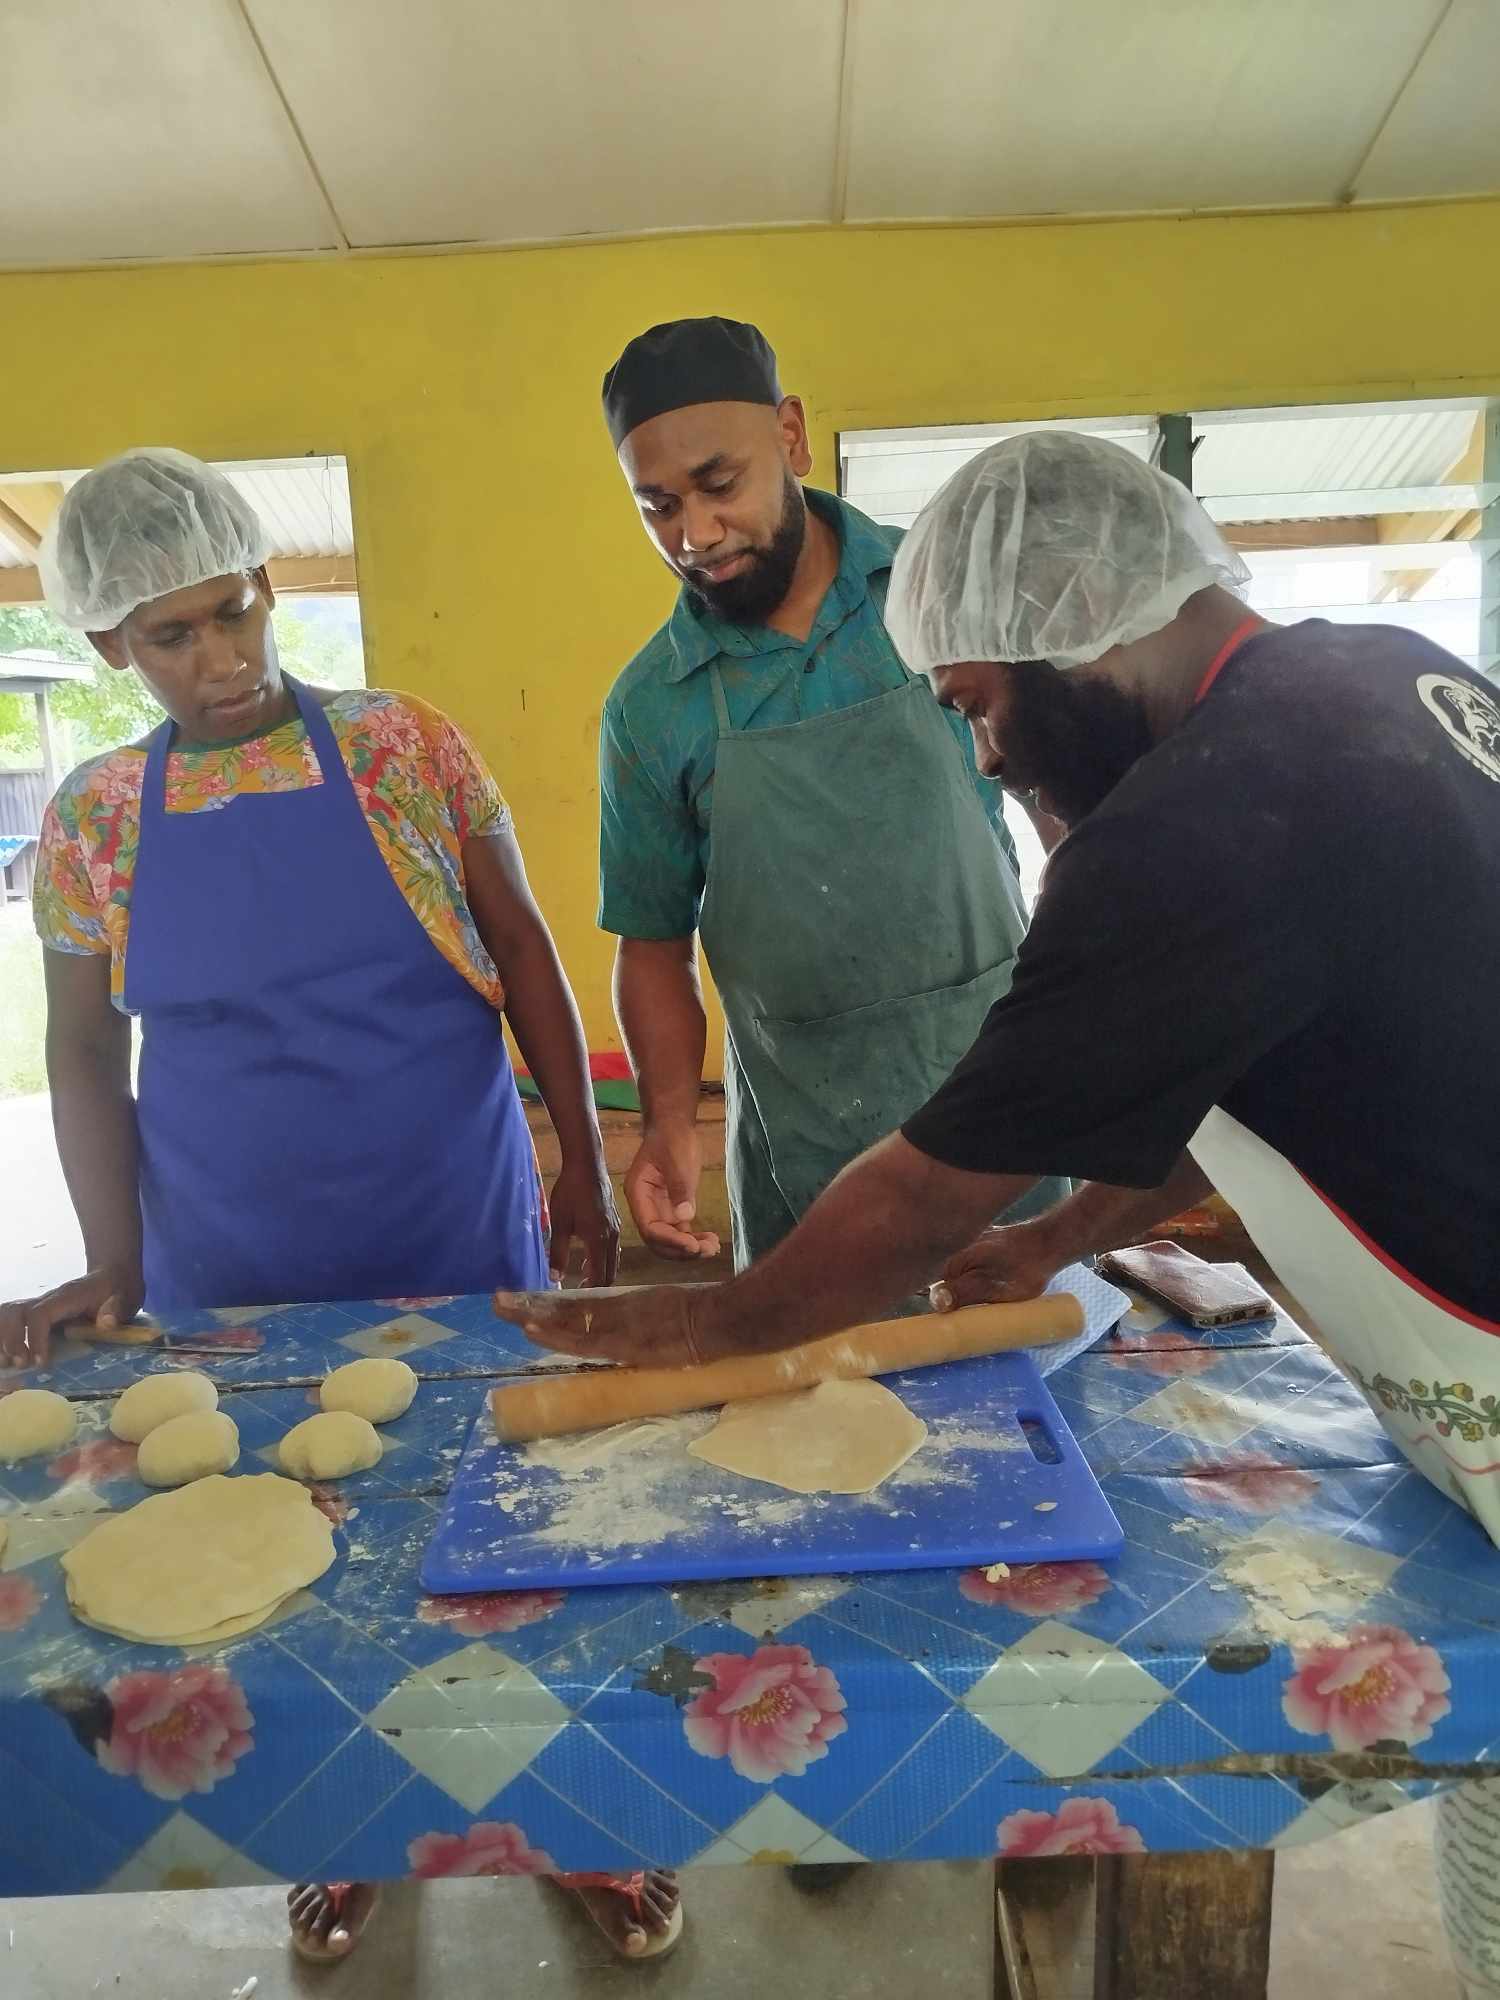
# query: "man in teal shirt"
[773,780]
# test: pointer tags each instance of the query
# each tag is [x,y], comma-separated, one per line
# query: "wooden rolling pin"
[600,1396]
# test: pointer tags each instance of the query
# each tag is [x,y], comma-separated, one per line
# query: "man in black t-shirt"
[1266,958]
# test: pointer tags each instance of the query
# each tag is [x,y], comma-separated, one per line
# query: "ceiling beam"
[322,576]
[1449,524]
[18,528]
[291,576]
[1336,531]
[20,586]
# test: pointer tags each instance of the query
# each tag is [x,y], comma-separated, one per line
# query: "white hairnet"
[146,523]
[1050,546]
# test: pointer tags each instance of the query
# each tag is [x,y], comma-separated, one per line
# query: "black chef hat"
[688,361]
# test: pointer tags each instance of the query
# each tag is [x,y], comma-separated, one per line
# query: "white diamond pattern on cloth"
[470,1722]
[403,1335]
[48,1530]
[766,1617]
[1143,1317]
[772,1827]
[1293,1576]
[1187,1406]
[181,1854]
[1339,1809]
[1064,1699]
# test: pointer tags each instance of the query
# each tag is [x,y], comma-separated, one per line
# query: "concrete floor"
[1354,1915]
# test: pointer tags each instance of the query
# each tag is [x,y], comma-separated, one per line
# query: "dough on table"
[33,1421]
[329,1445]
[190,1447]
[147,1404]
[379,1389]
[213,1558]
[837,1437]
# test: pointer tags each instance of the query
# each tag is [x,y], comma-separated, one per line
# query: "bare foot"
[328,1920]
[614,1909]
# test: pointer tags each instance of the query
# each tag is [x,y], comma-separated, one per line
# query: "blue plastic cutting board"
[977,1492]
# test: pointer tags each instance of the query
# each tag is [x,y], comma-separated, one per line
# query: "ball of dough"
[330,1445]
[189,1447]
[33,1421]
[377,1390]
[158,1399]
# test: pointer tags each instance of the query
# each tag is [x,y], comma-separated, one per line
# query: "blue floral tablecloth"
[1301,1632]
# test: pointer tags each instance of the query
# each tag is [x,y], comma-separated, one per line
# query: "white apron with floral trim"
[1432,1377]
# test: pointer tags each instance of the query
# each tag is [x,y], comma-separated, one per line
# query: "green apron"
[849,858]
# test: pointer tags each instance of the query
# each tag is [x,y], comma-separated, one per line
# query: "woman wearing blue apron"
[327,922]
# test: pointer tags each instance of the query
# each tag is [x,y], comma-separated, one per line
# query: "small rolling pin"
[600,1396]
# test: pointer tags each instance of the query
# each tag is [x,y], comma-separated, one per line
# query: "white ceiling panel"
[148,129]
[476,121]
[1443,137]
[1027,107]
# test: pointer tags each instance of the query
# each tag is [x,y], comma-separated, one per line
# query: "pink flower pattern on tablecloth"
[1038,1590]
[488,1848]
[177,1732]
[1163,1352]
[487,1611]
[1254,1485]
[420,1305]
[771,1714]
[98,1461]
[1380,1686]
[20,1600]
[1079,1826]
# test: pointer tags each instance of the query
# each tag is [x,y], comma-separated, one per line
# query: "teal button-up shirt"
[659,737]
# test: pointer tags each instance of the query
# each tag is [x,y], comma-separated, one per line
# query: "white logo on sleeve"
[1470,716]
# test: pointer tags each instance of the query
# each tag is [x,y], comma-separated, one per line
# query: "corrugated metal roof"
[303,502]
[1267,467]
[1348,455]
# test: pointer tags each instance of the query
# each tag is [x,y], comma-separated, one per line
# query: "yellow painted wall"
[503,572]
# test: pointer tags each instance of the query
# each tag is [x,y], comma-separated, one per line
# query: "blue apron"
[326,1107]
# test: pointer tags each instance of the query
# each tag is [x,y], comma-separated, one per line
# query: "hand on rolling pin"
[1009,1263]
[645,1326]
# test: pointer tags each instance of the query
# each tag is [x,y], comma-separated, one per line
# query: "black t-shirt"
[1289,908]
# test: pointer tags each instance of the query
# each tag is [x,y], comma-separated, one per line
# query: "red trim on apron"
[1400,1271]
[1246,629]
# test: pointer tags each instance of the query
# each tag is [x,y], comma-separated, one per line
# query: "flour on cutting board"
[634,1484]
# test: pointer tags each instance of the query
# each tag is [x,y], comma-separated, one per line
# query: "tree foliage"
[113,708]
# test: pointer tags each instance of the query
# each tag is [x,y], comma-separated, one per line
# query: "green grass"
[23,1007]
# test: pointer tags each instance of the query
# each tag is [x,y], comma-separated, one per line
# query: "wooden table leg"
[1183,1926]
[1044,1928]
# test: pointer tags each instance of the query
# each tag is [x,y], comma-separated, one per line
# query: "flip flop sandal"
[322,1954]
[631,1887]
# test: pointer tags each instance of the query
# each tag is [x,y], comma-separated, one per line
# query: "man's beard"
[751,597]
[1077,735]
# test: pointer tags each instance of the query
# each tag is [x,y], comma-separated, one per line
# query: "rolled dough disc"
[199,1560]
[837,1437]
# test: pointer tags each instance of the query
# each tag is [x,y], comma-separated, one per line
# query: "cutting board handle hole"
[1044,1447]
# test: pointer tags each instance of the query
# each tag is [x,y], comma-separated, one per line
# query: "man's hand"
[582,1205]
[1010,1262]
[647,1326]
[662,1190]
[105,1298]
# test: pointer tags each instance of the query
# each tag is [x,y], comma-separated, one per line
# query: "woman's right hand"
[105,1299]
